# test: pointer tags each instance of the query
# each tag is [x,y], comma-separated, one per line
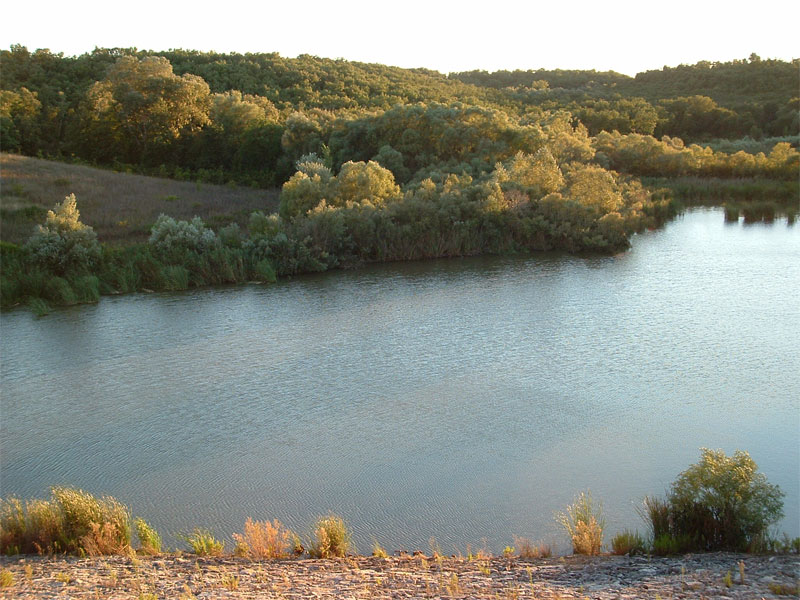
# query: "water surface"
[465,400]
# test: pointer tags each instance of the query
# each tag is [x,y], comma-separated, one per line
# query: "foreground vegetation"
[719,503]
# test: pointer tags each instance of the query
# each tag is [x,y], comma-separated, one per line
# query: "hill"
[121,207]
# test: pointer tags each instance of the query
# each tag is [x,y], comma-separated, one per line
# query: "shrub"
[203,543]
[86,288]
[719,503]
[584,524]
[59,291]
[330,538]
[263,539]
[723,503]
[149,540]
[172,239]
[264,271]
[628,542]
[175,277]
[64,244]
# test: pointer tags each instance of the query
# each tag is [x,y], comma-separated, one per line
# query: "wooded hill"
[244,117]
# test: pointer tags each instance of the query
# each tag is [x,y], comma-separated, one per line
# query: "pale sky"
[621,35]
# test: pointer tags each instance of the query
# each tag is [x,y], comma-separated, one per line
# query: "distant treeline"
[248,118]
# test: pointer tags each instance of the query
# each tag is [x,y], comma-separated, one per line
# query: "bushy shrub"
[330,538]
[63,244]
[667,544]
[264,225]
[264,540]
[719,503]
[264,271]
[723,502]
[584,523]
[172,239]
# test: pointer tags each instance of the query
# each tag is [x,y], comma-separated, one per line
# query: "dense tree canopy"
[142,105]
[249,117]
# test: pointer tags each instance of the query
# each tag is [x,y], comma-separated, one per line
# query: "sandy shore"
[187,576]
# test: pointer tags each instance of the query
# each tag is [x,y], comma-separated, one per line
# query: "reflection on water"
[460,399]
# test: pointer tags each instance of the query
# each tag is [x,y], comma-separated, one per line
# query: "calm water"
[459,399]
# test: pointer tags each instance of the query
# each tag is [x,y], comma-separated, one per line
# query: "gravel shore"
[186,576]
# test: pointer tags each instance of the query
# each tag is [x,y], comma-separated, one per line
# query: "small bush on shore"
[719,503]
[331,538]
[584,524]
[264,540]
[203,543]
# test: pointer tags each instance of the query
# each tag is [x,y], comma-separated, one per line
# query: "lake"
[466,400]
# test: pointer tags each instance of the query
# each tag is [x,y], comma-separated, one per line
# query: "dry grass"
[264,540]
[72,521]
[121,207]
[528,549]
[103,540]
[588,537]
[584,524]
[331,538]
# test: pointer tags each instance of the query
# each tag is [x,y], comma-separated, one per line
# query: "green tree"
[142,104]
[594,186]
[18,111]
[538,174]
[358,181]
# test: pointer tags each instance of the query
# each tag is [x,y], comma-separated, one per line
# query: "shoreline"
[187,576]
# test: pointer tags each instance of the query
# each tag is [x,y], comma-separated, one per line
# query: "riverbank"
[714,575]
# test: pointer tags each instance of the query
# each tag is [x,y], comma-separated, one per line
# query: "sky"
[623,36]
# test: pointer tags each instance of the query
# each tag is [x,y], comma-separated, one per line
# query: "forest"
[380,163]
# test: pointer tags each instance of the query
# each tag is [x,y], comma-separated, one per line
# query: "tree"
[359,181]
[538,174]
[594,186]
[18,110]
[142,104]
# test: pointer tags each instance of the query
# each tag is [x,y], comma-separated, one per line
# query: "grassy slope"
[121,207]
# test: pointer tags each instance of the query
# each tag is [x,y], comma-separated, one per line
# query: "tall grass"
[584,523]
[203,543]
[149,540]
[628,542]
[71,521]
[330,538]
